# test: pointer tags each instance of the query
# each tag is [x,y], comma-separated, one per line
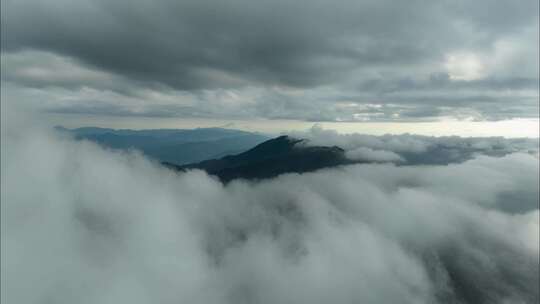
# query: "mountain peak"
[273,157]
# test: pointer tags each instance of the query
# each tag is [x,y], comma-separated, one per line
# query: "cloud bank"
[87,225]
[409,149]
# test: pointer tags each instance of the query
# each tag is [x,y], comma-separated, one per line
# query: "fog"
[81,224]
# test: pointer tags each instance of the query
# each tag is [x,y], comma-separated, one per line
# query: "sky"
[465,67]
[418,220]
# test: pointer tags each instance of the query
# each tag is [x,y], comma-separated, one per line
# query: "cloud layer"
[310,60]
[86,225]
[408,149]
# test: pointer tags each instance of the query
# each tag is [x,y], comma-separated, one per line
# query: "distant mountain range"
[225,153]
[174,146]
[271,158]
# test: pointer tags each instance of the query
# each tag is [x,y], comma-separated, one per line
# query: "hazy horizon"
[515,128]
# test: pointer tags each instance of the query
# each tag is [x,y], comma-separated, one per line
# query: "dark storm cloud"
[443,81]
[369,48]
[187,43]
[97,108]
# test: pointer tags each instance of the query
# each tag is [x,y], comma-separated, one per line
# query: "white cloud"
[81,224]
[370,155]
[464,66]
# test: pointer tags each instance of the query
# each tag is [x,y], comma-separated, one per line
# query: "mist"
[82,224]
[414,149]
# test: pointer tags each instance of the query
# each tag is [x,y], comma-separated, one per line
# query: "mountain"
[176,146]
[271,158]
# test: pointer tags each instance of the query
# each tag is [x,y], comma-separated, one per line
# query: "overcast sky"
[311,61]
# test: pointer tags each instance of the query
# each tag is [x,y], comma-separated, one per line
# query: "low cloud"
[416,149]
[370,155]
[86,225]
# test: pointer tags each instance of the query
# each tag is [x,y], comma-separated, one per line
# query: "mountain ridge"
[176,146]
[283,154]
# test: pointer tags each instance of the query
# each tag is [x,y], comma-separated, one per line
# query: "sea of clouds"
[81,224]
[409,149]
